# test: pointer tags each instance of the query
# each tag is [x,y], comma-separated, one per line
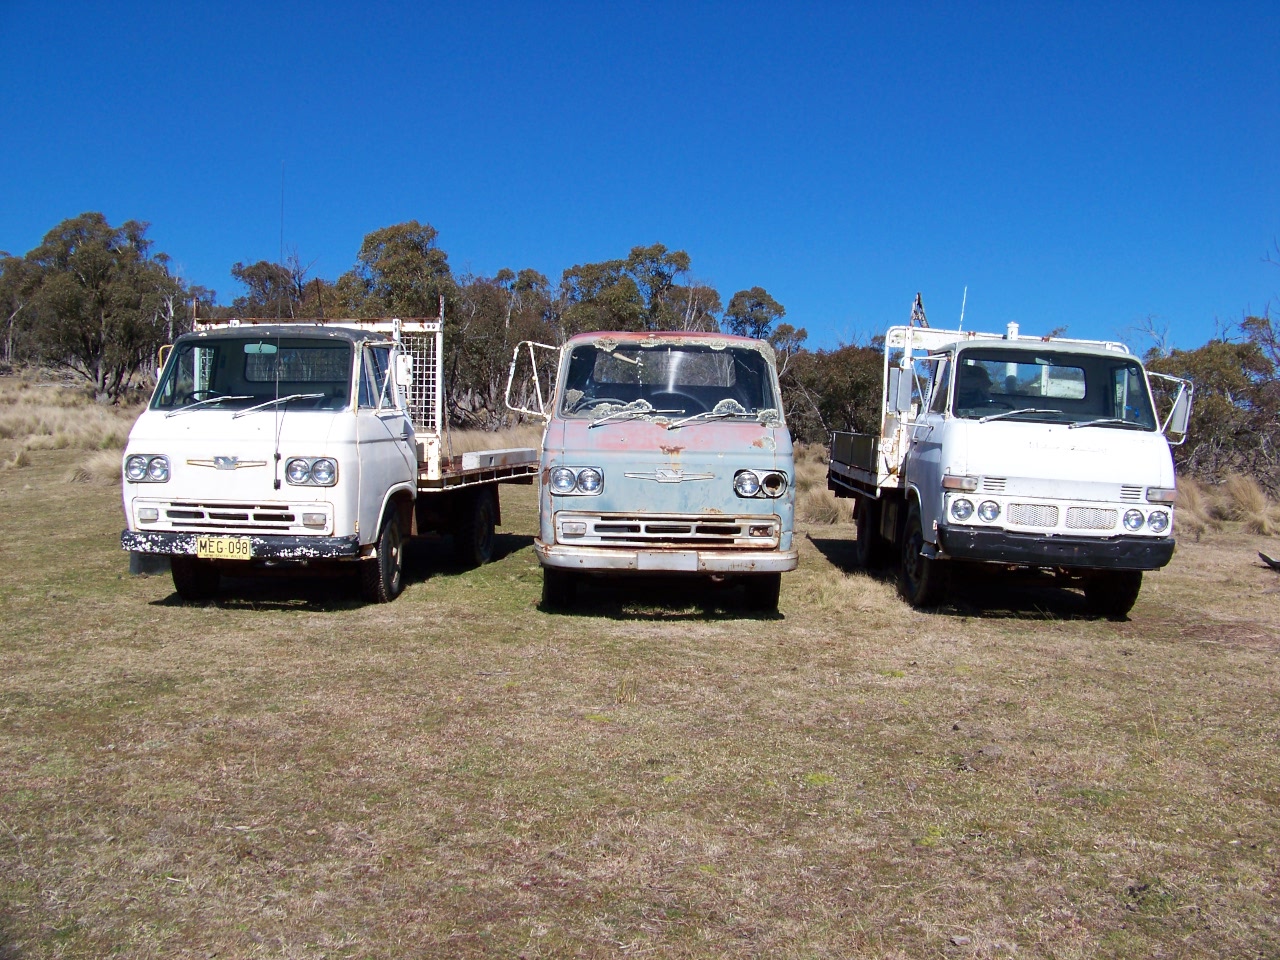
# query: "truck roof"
[932,339]
[668,336]
[340,330]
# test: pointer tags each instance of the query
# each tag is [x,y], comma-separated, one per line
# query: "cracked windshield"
[1077,389]
[675,383]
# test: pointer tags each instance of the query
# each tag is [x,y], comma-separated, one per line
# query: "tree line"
[99,301]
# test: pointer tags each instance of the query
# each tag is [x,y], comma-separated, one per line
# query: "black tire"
[762,591]
[559,588]
[381,577]
[869,548]
[195,580]
[1112,593]
[473,535]
[921,581]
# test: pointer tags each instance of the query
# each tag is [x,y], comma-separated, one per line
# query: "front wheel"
[1112,593]
[762,591]
[559,588]
[195,580]
[922,579]
[381,576]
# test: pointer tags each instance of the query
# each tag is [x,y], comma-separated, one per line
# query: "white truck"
[1039,453]
[292,445]
[664,453]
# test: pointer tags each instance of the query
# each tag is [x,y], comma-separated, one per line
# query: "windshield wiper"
[1109,422]
[201,403]
[636,408]
[725,408]
[1013,413]
[272,403]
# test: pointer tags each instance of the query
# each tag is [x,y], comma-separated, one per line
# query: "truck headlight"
[988,510]
[768,483]
[146,468]
[962,509]
[1158,522]
[1133,520]
[746,483]
[311,471]
[587,481]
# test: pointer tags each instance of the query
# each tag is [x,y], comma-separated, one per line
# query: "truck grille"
[675,530]
[1033,515]
[1091,518]
[237,517]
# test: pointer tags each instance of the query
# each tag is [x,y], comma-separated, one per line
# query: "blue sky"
[1080,165]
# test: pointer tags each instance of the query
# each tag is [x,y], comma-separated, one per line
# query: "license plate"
[224,548]
[682,560]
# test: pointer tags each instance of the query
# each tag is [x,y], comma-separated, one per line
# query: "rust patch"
[672,451]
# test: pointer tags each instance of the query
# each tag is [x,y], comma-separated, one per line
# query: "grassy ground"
[288,773]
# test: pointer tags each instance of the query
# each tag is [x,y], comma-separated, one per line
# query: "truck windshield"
[1052,386]
[237,373]
[665,380]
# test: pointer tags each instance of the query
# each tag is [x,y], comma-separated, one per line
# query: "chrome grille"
[641,530]
[1091,518]
[234,517]
[1033,515]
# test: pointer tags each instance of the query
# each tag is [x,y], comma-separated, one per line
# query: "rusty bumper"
[669,560]
[270,547]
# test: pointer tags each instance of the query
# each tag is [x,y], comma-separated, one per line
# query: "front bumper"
[664,560]
[268,547]
[1001,546]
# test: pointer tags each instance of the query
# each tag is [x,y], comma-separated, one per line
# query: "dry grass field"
[288,773]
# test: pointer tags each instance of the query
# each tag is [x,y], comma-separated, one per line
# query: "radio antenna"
[963,301]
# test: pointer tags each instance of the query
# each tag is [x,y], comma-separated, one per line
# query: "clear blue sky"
[1080,165]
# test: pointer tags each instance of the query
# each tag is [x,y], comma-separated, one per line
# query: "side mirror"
[534,382]
[404,370]
[162,356]
[899,390]
[1180,416]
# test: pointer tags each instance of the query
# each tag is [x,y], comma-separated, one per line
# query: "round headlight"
[774,484]
[746,483]
[563,480]
[589,480]
[988,510]
[1158,521]
[323,471]
[962,509]
[158,469]
[1133,520]
[298,471]
[135,468]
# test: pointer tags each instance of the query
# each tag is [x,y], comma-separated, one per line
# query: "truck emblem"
[667,475]
[227,463]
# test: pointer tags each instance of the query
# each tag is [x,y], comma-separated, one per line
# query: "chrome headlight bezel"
[1133,520]
[962,509]
[1158,521]
[760,484]
[988,511]
[576,481]
[301,471]
[146,468]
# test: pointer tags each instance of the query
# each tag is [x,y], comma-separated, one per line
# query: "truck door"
[384,436]
[925,466]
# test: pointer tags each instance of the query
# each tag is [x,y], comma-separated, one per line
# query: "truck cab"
[1016,452]
[665,453]
[276,446]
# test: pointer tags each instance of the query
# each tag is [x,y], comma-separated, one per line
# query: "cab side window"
[941,387]
[375,371]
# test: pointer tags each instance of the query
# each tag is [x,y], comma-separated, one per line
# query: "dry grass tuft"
[101,467]
[53,416]
[814,502]
[1195,509]
[17,461]
[1248,503]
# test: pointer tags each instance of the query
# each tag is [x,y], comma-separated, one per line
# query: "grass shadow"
[659,598]
[842,553]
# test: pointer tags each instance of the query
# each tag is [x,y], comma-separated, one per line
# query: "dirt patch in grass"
[286,772]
